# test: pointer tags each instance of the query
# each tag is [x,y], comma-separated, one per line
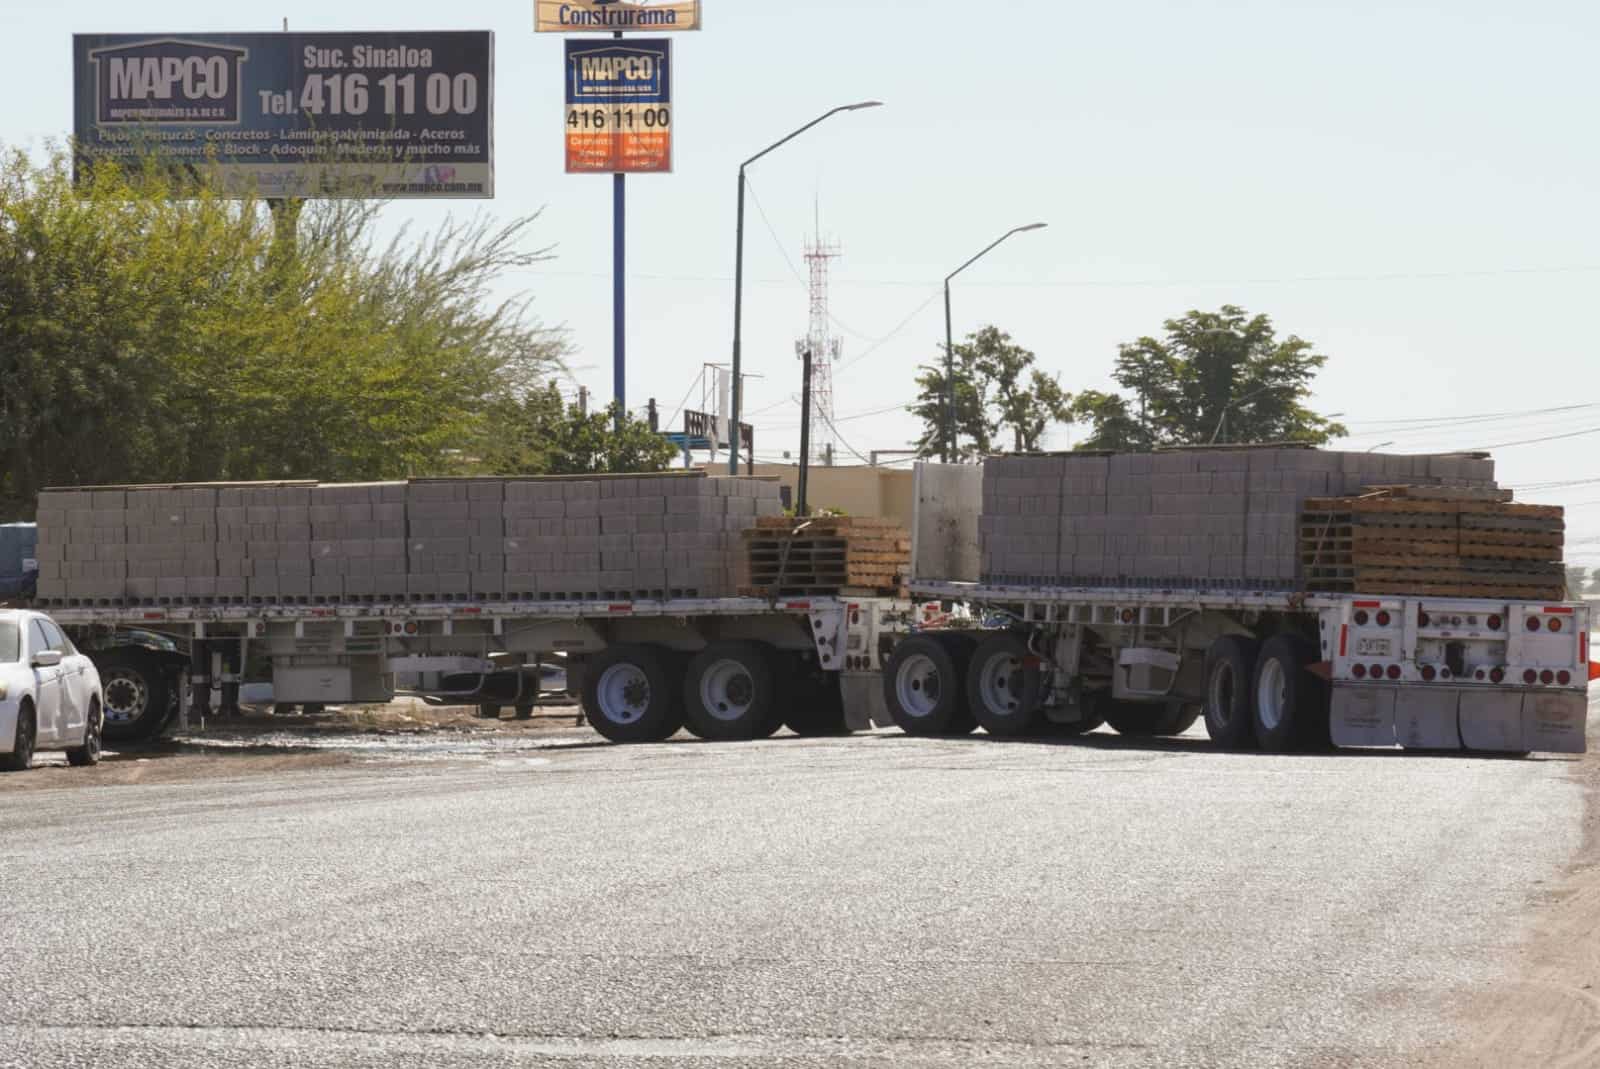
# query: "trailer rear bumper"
[1459,718]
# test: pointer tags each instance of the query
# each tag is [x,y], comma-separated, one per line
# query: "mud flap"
[1492,722]
[863,701]
[1555,723]
[1363,716]
[1428,720]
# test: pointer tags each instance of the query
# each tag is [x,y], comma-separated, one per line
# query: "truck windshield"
[10,642]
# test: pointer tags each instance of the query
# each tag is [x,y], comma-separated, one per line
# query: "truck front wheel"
[138,696]
[631,694]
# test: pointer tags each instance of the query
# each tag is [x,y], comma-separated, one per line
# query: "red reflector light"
[1359,671]
[1394,671]
[1547,677]
[1384,619]
[1530,677]
[1361,619]
[1497,676]
[1555,625]
[1533,623]
[1428,674]
[1564,678]
[1494,623]
[1377,671]
[1423,619]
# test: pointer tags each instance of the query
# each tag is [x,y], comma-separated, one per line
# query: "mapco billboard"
[615,16]
[619,106]
[295,114]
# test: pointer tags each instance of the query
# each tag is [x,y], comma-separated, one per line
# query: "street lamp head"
[1032,226]
[864,105]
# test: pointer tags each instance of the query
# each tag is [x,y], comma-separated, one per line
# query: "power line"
[1538,441]
[1486,416]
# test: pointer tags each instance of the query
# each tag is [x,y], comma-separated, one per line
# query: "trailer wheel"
[630,694]
[1230,673]
[1003,687]
[961,646]
[138,695]
[730,692]
[1289,702]
[1149,721]
[923,686]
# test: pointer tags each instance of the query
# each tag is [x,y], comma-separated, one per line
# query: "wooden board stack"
[825,556]
[1407,540]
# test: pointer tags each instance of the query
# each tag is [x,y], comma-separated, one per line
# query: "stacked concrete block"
[82,546]
[358,542]
[439,540]
[1194,517]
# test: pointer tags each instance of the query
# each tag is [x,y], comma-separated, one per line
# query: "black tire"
[1230,676]
[1295,709]
[89,753]
[961,646]
[1143,720]
[488,711]
[313,709]
[642,703]
[924,686]
[284,709]
[138,695]
[1005,687]
[815,703]
[23,741]
[730,693]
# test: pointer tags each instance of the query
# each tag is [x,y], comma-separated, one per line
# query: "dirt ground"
[260,743]
[1546,1012]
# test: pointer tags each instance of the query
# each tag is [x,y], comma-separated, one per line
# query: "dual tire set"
[1257,694]
[730,691]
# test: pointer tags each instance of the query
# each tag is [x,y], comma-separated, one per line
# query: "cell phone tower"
[825,349]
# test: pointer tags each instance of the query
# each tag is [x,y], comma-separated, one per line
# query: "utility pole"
[805,428]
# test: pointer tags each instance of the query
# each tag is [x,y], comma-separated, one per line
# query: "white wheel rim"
[126,697]
[1000,684]
[623,694]
[917,685]
[726,690]
[1272,694]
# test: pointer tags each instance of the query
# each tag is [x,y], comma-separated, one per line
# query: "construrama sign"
[295,115]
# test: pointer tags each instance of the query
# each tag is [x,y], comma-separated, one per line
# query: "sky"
[1409,185]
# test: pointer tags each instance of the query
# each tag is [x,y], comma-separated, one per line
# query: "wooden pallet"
[788,557]
[1475,544]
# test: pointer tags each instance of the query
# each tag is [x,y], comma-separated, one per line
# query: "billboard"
[295,114]
[615,16]
[619,106]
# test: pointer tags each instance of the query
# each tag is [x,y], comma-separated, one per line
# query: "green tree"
[1219,376]
[1000,393]
[539,434]
[158,333]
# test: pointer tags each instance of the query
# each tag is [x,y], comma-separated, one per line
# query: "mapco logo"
[168,82]
[611,71]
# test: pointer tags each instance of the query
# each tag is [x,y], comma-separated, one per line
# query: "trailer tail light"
[1493,623]
[1384,619]
[1564,677]
[1377,671]
[1530,677]
[1497,675]
[1533,623]
[1394,672]
[1423,619]
[1556,625]
[1361,619]
[1428,673]
[1359,671]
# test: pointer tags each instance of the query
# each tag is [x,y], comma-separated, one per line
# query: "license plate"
[1374,647]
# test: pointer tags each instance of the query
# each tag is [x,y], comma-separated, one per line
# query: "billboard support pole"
[619,291]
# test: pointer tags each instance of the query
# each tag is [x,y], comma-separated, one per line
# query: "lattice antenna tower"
[825,348]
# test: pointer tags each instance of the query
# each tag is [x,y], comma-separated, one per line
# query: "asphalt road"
[871,901]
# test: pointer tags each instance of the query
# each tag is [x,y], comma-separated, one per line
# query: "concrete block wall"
[1202,517]
[442,539]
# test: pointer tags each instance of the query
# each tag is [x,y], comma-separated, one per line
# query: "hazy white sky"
[1409,184]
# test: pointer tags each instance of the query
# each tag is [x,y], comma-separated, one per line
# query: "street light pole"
[950,345]
[738,273]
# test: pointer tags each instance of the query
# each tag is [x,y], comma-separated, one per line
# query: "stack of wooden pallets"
[826,555]
[1431,540]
